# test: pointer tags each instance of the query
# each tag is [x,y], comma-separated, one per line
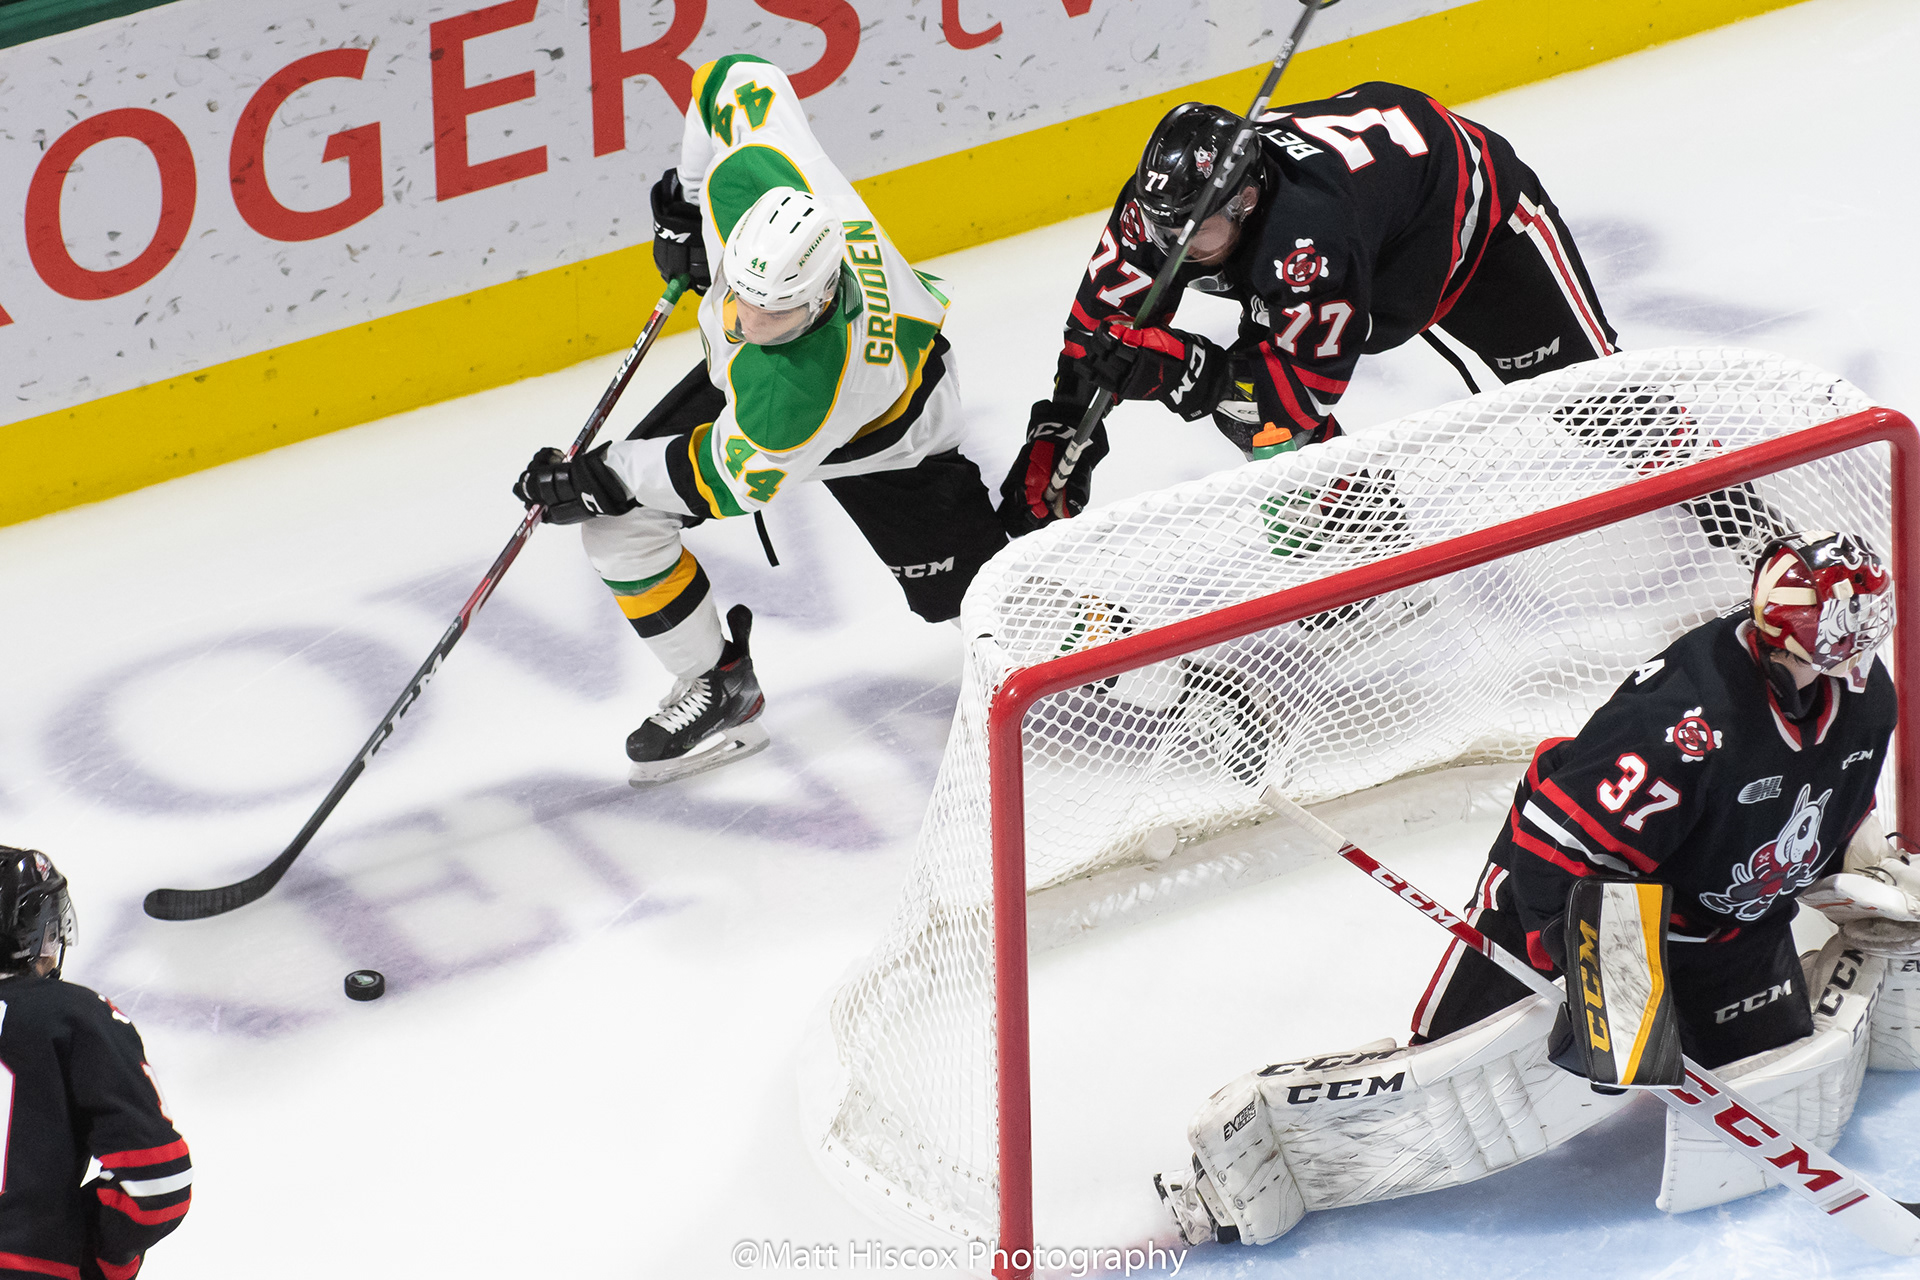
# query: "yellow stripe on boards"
[553,319]
[662,593]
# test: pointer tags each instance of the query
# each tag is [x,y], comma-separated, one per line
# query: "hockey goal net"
[1443,590]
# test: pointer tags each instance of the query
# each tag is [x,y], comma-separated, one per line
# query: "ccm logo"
[1342,1090]
[1529,359]
[1758,1000]
[1841,982]
[922,570]
[1327,1062]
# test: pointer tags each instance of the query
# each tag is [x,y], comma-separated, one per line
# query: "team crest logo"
[1302,267]
[1203,160]
[1133,227]
[1784,865]
[1693,737]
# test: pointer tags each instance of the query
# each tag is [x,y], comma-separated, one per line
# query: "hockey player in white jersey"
[824,361]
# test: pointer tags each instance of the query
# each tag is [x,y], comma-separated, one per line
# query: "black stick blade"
[202,904]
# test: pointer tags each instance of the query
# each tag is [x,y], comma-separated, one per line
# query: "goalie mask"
[36,915]
[1825,598]
[781,269]
[1177,168]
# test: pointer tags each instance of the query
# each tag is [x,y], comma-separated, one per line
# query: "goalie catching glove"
[1050,428]
[1183,371]
[1877,908]
[571,492]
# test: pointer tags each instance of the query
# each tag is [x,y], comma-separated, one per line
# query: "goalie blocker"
[1617,1027]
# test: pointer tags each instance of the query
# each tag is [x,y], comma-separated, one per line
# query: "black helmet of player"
[36,915]
[1175,171]
[1824,598]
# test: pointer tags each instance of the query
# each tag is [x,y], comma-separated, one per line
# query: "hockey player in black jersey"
[1734,767]
[74,1085]
[1366,219]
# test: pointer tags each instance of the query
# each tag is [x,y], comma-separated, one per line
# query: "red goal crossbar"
[1005,720]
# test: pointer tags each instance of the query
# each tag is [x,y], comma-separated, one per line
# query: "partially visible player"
[1366,219]
[824,361]
[74,1086]
[1735,768]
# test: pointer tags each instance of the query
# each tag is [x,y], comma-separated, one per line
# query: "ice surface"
[584,1065]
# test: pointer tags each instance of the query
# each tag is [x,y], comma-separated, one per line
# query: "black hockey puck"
[365,984]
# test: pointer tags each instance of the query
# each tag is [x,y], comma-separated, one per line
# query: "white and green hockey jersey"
[846,395]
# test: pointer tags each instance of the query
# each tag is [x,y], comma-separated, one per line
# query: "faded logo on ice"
[1784,865]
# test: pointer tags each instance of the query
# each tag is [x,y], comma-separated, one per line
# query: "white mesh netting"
[1473,667]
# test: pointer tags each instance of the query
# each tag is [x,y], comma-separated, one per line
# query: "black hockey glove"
[1050,429]
[573,491]
[678,248]
[1183,371]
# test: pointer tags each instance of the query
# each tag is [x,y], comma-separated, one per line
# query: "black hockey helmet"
[36,915]
[1178,166]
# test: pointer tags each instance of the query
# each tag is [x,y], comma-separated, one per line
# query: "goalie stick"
[1223,182]
[1710,1102]
[199,904]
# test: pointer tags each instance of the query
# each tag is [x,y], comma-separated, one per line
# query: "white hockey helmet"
[781,267]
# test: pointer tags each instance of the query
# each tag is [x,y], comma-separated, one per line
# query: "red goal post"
[1025,687]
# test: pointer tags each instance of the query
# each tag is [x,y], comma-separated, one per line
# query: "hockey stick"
[198,904]
[1238,158]
[1710,1102]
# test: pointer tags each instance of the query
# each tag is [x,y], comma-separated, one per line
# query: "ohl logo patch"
[1784,865]
[1302,267]
[1693,736]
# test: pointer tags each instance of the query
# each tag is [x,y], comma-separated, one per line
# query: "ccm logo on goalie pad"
[1344,1090]
[1840,982]
[1327,1062]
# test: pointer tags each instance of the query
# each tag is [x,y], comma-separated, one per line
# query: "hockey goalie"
[1732,778]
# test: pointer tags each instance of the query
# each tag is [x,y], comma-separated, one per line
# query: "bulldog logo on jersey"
[1693,736]
[1302,267]
[1784,865]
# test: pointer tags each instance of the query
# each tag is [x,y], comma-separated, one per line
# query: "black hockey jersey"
[80,1088]
[1378,207]
[1692,775]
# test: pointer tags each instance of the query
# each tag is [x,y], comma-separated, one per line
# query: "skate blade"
[739,743]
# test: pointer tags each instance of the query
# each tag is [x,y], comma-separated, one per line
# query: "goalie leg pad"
[1234,1148]
[1810,1083]
[1895,1038]
[1379,1122]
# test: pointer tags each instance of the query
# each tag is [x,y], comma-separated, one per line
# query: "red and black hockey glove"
[1050,429]
[573,491]
[678,248]
[1183,371]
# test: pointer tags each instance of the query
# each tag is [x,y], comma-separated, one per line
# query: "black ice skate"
[705,722]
